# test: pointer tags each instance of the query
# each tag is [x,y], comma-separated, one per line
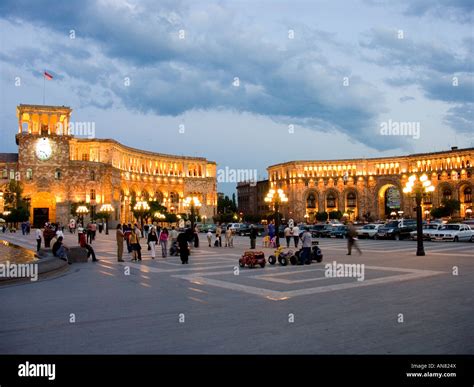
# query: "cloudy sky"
[253,83]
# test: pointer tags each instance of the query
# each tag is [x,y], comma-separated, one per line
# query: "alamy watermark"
[231,175]
[343,270]
[19,270]
[400,128]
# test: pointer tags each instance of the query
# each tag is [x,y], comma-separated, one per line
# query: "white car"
[368,231]
[453,232]
[428,231]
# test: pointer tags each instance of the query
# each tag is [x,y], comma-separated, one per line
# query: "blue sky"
[282,81]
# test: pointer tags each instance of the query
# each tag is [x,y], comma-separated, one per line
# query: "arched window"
[311,201]
[351,200]
[57,174]
[427,198]
[447,194]
[331,201]
[29,174]
[174,198]
[92,194]
[159,196]
[92,175]
[467,195]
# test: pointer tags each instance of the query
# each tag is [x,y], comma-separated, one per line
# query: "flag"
[48,76]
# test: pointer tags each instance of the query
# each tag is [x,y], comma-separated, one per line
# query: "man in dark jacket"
[183,239]
[253,236]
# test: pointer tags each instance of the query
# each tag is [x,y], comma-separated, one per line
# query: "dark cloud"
[387,49]
[461,117]
[406,98]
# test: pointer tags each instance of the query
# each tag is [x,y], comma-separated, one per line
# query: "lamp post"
[81,211]
[141,207]
[277,197]
[107,209]
[418,186]
[193,203]
[427,214]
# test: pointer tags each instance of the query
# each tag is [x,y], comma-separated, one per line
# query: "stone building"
[250,198]
[373,186]
[57,168]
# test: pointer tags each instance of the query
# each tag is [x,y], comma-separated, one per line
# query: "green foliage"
[447,209]
[335,215]
[226,205]
[322,216]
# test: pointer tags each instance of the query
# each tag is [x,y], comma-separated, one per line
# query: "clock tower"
[43,159]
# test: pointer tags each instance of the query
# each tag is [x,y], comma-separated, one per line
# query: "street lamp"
[277,197]
[418,186]
[141,207]
[193,203]
[468,213]
[427,214]
[106,209]
[81,211]
[400,214]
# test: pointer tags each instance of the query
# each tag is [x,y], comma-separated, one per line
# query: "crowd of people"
[154,235]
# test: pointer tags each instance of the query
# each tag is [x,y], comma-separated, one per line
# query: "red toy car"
[252,258]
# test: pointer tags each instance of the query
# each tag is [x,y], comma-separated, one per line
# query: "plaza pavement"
[165,307]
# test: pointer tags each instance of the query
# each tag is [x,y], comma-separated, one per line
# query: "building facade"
[58,169]
[250,198]
[372,188]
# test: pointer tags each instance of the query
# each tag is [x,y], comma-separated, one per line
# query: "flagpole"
[44,85]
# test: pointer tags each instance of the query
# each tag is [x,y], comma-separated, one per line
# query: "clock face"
[43,149]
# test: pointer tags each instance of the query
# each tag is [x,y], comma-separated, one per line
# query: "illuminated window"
[351,199]
[29,174]
[311,201]
[85,157]
[467,195]
[331,201]
[447,194]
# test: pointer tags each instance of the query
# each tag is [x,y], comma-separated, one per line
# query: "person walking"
[253,236]
[305,255]
[164,242]
[138,234]
[351,239]
[119,237]
[38,239]
[183,239]
[152,241]
[296,236]
[134,244]
[288,234]
[228,233]
[196,236]
[219,235]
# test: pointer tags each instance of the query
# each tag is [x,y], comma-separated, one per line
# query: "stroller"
[174,249]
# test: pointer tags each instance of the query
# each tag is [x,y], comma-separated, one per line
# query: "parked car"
[453,232]
[368,231]
[235,227]
[396,229]
[339,232]
[428,230]
[326,231]
[315,229]
[244,230]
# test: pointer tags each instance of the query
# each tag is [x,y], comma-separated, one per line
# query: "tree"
[225,205]
[322,216]
[447,209]
[335,215]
